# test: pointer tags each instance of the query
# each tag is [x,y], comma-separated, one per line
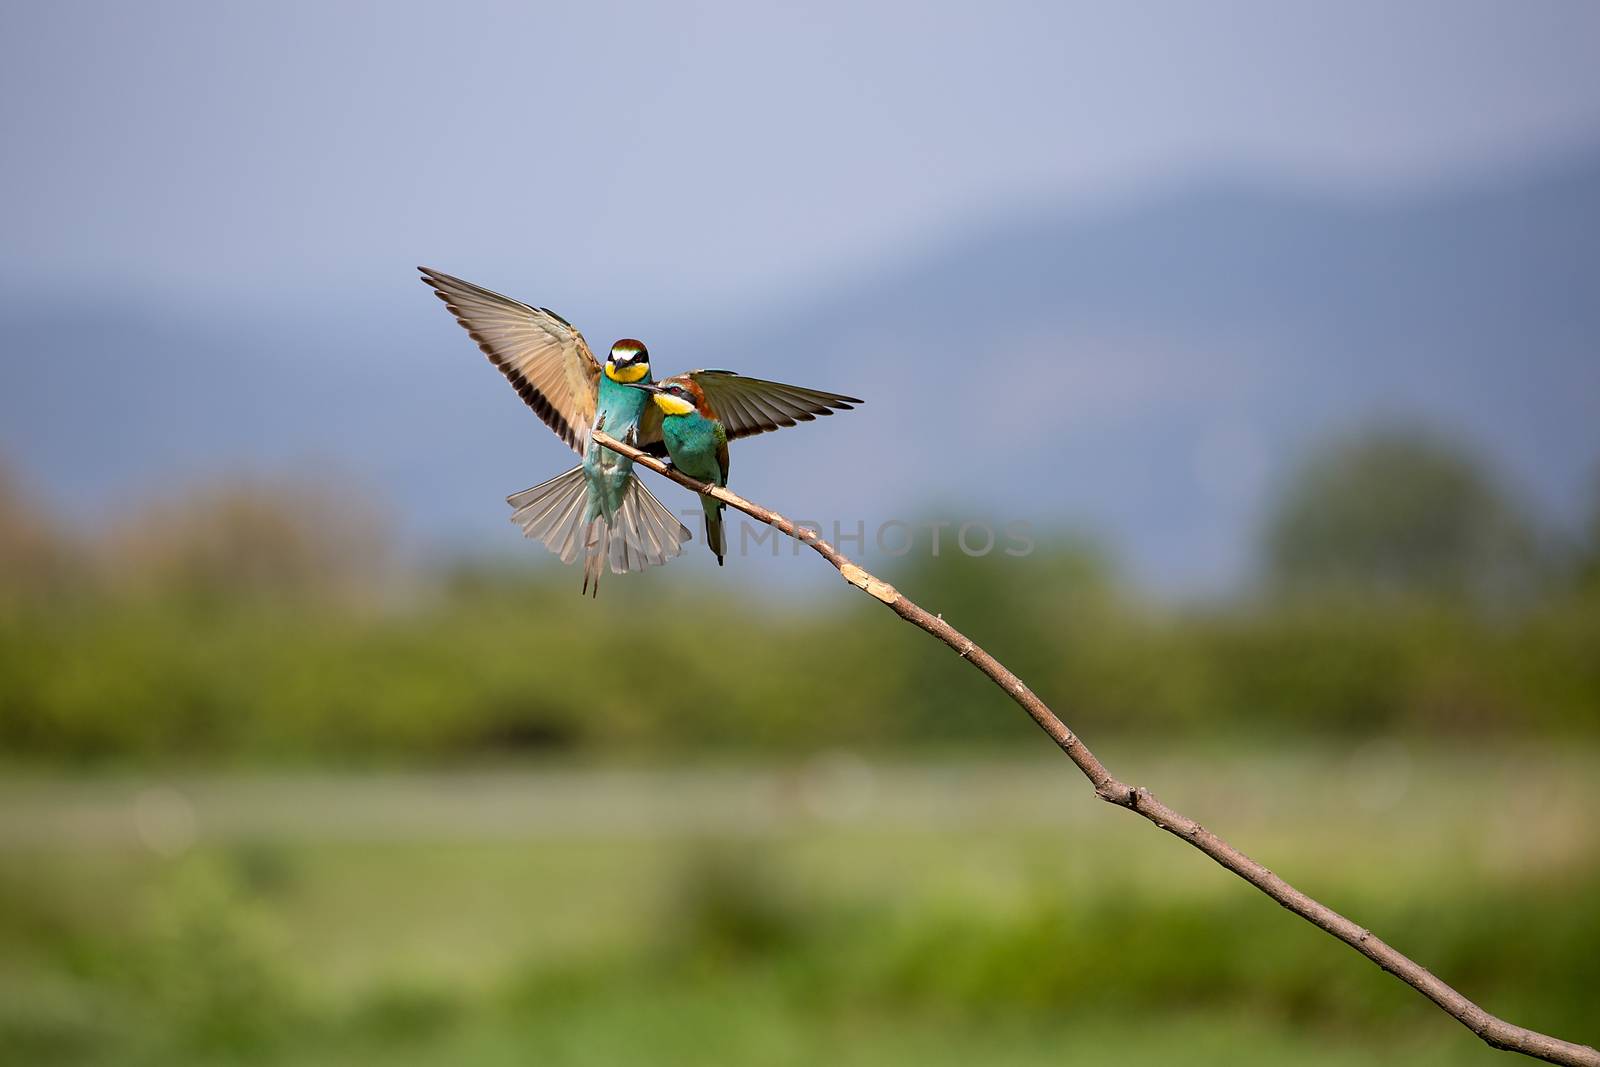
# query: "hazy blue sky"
[214,209]
[696,152]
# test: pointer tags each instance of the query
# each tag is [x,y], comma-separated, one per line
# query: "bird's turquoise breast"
[617,411]
[617,408]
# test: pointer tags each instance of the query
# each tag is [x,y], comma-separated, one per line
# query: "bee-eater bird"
[697,442]
[696,437]
[599,507]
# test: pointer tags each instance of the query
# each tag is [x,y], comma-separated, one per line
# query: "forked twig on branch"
[1494,1031]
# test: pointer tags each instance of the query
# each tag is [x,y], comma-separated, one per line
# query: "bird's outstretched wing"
[747,406]
[544,358]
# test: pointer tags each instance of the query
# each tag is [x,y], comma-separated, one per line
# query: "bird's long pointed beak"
[648,387]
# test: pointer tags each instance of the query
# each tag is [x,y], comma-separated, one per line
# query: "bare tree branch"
[1494,1031]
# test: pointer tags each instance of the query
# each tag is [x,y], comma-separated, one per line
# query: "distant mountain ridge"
[1145,371]
[1170,355]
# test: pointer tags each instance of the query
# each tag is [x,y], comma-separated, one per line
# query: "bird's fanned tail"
[643,533]
[652,534]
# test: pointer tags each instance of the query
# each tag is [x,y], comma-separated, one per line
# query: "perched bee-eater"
[696,426]
[696,441]
[599,507]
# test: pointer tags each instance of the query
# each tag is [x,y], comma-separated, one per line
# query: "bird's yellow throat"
[626,375]
[672,405]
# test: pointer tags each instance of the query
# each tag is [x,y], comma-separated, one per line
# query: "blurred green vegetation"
[1400,590]
[944,913]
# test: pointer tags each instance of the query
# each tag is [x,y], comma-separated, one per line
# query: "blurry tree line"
[1400,587]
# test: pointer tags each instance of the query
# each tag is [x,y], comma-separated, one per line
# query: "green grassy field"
[933,912]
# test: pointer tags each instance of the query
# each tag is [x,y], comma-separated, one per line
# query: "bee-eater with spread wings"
[599,507]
